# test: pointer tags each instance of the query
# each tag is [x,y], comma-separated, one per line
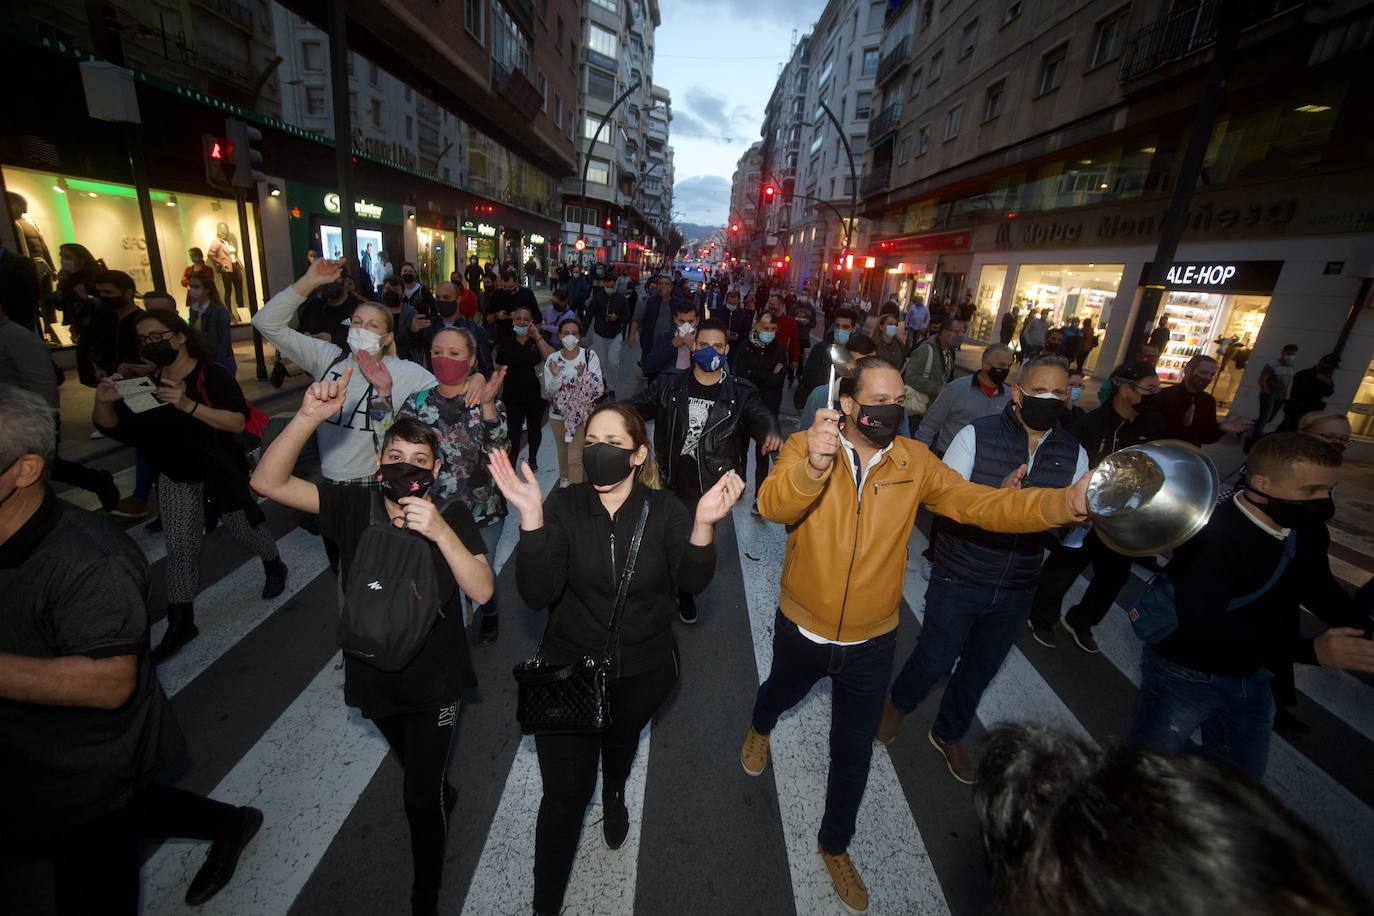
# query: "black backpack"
[391,600]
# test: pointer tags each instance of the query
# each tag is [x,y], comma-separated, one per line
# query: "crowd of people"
[421,430]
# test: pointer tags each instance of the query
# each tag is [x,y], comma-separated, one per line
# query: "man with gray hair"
[960,403]
[84,724]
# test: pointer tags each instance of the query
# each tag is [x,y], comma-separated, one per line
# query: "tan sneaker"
[891,723]
[957,758]
[754,755]
[848,885]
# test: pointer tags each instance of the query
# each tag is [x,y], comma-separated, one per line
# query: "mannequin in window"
[31,246]
[223,255]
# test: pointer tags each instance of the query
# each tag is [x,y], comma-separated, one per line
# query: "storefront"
[103,217]
[537,250]
[378,228]
[480,239]
[921,265]
[434,257]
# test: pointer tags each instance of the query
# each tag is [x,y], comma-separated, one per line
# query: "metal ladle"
[842,365]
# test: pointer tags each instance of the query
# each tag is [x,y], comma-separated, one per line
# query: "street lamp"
[587,159]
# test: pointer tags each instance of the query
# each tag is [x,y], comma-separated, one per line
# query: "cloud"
[778,14]
[686,123]
[708,106]
[702,198]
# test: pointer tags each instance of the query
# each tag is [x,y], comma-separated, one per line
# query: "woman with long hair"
[468,431]
[188,437]
[561,561]
[210,320]
[77,299]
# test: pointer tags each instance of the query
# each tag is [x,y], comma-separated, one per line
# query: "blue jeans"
[1269,407]
[1236,714]
[974,625]
[858,681]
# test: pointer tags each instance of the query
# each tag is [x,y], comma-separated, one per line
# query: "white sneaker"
[563,482]
[97,434]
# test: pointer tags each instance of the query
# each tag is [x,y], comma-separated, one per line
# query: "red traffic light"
[769,191]
[608,222]
[734,227]
[220,150]
[778,265]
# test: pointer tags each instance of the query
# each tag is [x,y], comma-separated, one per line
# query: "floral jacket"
[465,443]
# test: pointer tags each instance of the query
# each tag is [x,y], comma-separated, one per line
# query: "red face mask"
[450,371]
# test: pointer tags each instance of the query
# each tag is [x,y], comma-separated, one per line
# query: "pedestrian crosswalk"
[260,697]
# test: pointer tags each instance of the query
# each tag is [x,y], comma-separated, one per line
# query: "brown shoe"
[891,723]
[754,755]
[848,885]
[957,758]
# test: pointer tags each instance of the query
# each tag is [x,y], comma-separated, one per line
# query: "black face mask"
[401,479]
[606,465]
[1297,513]
[1040,414]
[160,353]
[879,424]
[408,278]
[1148,402]
[447,307]
[998,376]
[112,302]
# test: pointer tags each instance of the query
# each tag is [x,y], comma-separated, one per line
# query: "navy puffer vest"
[981,557]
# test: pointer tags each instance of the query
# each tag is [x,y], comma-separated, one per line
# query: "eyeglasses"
[155,337]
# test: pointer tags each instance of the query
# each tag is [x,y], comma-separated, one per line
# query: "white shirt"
[860,478]
[1245,510]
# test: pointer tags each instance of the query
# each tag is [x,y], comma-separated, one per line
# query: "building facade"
[620,210]
[1023,156]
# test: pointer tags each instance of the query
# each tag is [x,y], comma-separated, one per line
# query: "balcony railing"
[235,12]
[876,180]
[1187,32]
[893,61]
[884,123]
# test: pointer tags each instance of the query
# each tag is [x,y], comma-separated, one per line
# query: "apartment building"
[1024,154]
[619,212]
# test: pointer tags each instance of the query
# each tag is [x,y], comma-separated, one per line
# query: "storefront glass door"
[986,299]
[1070,292]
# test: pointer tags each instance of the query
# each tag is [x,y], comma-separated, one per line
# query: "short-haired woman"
[415,708]
[188,438]
[572,383]
[561,564]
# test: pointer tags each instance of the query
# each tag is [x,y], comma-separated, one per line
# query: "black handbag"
[574,699]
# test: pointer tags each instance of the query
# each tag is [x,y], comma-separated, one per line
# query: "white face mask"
[569,341]
[685,328]
[363,339]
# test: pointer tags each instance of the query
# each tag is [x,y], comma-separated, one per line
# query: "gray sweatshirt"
[349,441]
[958,404]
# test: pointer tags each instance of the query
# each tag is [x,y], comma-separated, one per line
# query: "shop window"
[1362,408]
[969,41]
[870,62]
[992,102]
[472,19]
[1109,38]
[1221,326]
[314,101]
[1052,70]
[598,171]
[1070,292]
[987,301]
[312,56]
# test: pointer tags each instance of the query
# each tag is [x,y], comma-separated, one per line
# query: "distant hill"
[692,231]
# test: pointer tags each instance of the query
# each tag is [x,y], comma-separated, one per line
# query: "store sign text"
[536,239]
[360,207]
[1204,218]
[1255,277]
[1206,275]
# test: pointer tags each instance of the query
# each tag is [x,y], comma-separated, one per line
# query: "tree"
[673,243]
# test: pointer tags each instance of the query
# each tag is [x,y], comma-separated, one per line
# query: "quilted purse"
[574,699]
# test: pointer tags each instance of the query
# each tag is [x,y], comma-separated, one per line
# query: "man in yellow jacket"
[848,489]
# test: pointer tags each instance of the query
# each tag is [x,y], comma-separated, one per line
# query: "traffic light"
[580,244]
[769,192]
[778,265]
[246,159]
[216,152]
[734,228]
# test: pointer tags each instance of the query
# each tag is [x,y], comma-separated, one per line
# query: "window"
[408,94]
[410,127]
[312,53]
[602,41]
[608,5]
[1052,70]
[590,122]
[589,215]
[314,101]
[372,74]
[544,10]
[472,18]
[937,65]
[970,39]
[952,121]
[904,150]
[559,43]
[571,214]
[1108,39]
[1012,11]
[558,110]
[600,85]
[376,112]
[863,105]
[992,103]
[870,65]
[542,83]
[598,171]
[923,140]
[509,46]
[916,82]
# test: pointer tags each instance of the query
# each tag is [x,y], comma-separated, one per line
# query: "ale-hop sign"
[1254,277]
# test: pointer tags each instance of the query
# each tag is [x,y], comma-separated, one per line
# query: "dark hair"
[850,386]
[162,297]
[411,265]
[1074,370]
[947,325]
[174,322]
[852,315]
[714,324]
[409,429]
[683,306]
[1069,829]
[572,321]
[861,344]
[116,278]
[195,251]
[890,308]
[639,435]
[523,308]
[393,280]
[560,293]
[1198,360]
[508,273]
[1287,347]
[1134,372]
[1274,455]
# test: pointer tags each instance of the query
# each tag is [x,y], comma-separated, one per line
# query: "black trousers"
[1111,571]
[421,741]
[529,417]
[95,864]
[567,765]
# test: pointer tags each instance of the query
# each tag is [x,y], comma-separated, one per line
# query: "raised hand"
[720,499]
[822,441]
[320,272]
[472,389]
[521,490]
[324,399]
[423,517]
[375,371]
[492,387]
